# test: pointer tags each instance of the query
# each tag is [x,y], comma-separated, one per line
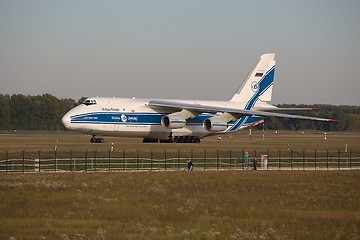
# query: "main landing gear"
[97,139]
[186,139]
[182,139]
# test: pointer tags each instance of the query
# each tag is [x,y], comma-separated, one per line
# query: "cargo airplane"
[183,120]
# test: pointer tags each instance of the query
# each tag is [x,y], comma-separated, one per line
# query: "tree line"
[348,116]
[20,112]
[44,112]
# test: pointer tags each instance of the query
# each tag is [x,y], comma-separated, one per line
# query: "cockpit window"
[88,102]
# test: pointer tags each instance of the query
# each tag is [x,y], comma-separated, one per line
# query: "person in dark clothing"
[254,164]
[190,166]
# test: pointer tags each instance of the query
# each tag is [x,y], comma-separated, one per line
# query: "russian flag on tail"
[259,74]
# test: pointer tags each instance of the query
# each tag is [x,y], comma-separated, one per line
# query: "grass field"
[181,205]
[239,141]
[178,204]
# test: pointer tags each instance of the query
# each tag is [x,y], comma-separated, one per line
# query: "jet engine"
[177,119]
[173,121]
[218,123]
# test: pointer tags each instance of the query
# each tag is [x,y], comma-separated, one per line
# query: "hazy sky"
[180,49]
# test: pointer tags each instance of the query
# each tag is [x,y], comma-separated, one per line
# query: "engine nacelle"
[215,125]
[218,123]
[177,119]
[173,121]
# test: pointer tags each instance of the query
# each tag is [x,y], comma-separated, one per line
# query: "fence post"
[55,159]
[109,165]
[70,156]
[339,159]
[279,159]
[255,155]
[137,159]
[292,155]
[204,159]
[192,155]
[327,159]
[350,159]
[6,160]
[123,160]
[178,157]
[267,152]
[86,161]
[303,159]
[95,161]
[315,157]
[39,160]
[230,159]
[165,158]
[217,159]
[23,161]
[242,160]
[151,160]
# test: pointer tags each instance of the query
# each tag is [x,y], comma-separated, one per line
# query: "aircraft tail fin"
[258,84]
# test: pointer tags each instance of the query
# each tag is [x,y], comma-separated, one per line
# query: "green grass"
[181,205]
[239,141]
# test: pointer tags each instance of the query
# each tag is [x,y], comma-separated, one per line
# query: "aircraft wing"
[176,106]
[286,110]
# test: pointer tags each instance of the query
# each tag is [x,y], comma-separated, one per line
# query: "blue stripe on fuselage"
[130,118]
[147,119]
[118,118]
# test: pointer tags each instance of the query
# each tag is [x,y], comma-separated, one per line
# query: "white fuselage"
[130,117]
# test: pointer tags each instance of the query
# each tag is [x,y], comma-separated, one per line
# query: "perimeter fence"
[166,160]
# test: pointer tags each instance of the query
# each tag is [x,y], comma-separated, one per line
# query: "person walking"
[246,159]
[254,164]
[190,165]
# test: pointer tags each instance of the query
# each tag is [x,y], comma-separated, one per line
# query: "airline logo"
[123,118]
[254,86]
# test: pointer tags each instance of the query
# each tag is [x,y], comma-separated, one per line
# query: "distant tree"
[20,111]
[345,114]
[33,112]
[5,122]
[352,122]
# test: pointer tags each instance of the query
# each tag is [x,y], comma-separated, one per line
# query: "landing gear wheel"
[97,140]
[186,139]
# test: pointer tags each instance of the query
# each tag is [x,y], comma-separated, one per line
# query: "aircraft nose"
[66,120]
